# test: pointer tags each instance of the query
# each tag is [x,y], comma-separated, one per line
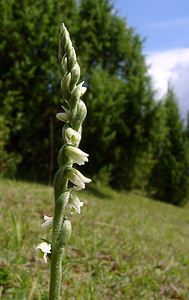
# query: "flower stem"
[56,273]
[57,249]
[74,115]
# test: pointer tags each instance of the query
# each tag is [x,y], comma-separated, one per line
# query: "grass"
[123,246]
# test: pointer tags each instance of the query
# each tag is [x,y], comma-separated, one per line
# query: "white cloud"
[173,66]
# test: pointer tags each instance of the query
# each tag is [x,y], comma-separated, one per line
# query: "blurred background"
[132,59]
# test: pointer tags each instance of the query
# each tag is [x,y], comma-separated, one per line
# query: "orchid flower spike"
[74,113]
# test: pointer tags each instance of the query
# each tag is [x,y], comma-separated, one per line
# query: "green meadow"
[123,246]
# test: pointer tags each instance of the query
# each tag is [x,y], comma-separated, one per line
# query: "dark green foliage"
[120,100]
[8,161]
[29,77]
[170,174]
[105,103]
[187,126]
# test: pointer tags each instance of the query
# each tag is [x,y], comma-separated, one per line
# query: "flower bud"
[65,38]
[79,90]
[77,93]
[68,46]
[75,72]
[72,59]
[63,66]
[65,232]
[65,85]
[79,115]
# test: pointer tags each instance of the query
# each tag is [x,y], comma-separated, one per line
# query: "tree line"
[134,142]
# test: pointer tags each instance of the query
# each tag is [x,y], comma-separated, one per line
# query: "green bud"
[79,115]
[75,72]
[66,43]
[76,94]
[62,30]
[71,59]
[81,111]
[63,37]
[65,85]
[68,46]
[65,232]
[63,66]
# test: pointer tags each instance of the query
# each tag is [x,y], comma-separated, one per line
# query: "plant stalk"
[57,249]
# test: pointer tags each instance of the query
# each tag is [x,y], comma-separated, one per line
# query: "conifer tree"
[116,78]
[29,77]
[170,176]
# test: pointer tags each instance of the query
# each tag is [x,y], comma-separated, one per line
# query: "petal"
[77,204]
[64,117]
[45,257]
[77,178]
[43,249]
[48,222]
[72,137]
[46,218]
[77,155]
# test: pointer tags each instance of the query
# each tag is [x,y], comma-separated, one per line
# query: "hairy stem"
[56,255]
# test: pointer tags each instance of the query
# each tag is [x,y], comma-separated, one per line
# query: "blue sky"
[165,25]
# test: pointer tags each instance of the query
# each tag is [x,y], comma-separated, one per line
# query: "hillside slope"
[123,246]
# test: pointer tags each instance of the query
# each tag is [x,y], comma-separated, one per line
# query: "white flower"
[64,117]
[75,203]
[43,250]
[72,137]
[77,178]
[48,222]
[78,156]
